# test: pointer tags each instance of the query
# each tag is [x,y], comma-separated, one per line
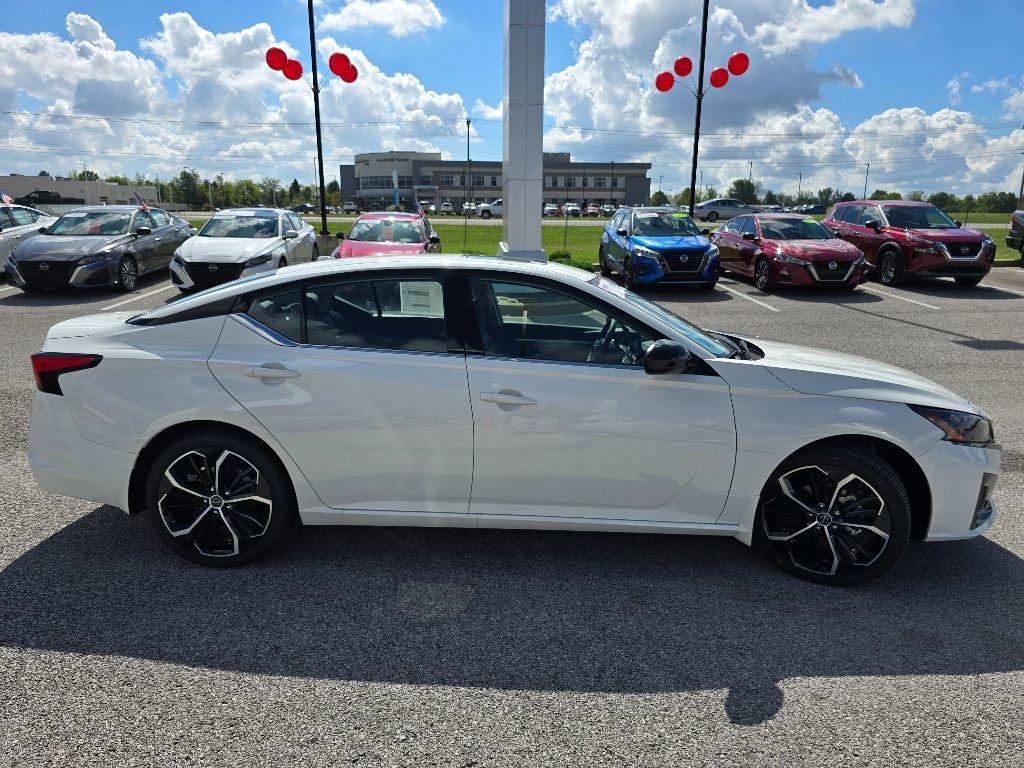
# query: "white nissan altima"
[477,392]
[239,242]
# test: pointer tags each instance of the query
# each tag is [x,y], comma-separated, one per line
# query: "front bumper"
[199,275]
[957,476]
[61,274]
[938,265]
[818,274]
[648,271]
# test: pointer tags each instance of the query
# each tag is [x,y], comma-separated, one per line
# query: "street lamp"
[341,66]
[738,63]
[85,180]
[867,170]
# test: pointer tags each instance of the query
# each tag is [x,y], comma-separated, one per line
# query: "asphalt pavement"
[483,648]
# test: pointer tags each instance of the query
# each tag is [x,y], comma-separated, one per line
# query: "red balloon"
[683,66]
[350,74]
[338,63]
[739,62]
[276,58]
[664,82]
[292,69]
[719,77]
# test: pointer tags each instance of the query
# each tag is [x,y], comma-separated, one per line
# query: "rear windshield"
[387,231]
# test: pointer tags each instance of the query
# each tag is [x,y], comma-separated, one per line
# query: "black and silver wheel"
[762,280]
[217,500]
[606,271]
[316,252]
[627,276]
[835,516]
[712,216]
[127,274]
[889,269]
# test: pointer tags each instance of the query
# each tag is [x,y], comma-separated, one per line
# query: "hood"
[88,325]
[371,248]
[65,247]
[227,250]
[833,248]
[957,235]
[672,242]
[821,372]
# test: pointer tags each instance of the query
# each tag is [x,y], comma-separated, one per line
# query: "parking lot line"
[8,289]
[895,296]
[742,295]
[117,304]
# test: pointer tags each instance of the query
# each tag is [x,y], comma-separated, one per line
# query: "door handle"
[16,237]
[157,239]
[507,397]
[270,372]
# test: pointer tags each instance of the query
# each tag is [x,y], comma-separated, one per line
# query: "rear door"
[728,248]
[358,381]
[166,237]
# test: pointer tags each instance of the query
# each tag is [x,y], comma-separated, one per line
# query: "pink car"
[375,234]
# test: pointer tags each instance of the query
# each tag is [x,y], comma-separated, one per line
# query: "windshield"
[240,225]
[917,217]
[793,229]
[387,231]
[664,223]
[91,223]
[674,321]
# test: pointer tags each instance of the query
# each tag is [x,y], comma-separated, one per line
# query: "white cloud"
[399,17]
[955,88]
[805,24]
[487,112]
[1013,105]
[991,85]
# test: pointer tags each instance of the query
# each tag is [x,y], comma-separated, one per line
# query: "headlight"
[786,258]
[178,260]
[712,252]
[95,258]
[639,250]
[11,260]
[257,260]
[959,427]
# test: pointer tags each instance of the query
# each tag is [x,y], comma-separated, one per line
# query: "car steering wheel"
[600,344]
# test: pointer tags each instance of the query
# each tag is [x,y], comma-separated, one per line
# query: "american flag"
[5,198]
[142,203]
[419,209]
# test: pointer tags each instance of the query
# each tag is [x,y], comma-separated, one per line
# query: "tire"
[712,217]
[762,279]
[968,282]
[283,262]
[627,276]
[890,271]
[204,531]
[485,215]
[804,525]
[31,289]
[605,269]
[315,253]
[127,274]
[707,286]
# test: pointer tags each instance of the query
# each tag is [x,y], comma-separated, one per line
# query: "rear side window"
[161,218]
[402,314]
[280,312]
[22,217]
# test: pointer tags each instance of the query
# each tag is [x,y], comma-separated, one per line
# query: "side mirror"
[340,235]
[434,240]
[143,232]
[290,234]
[622,233]
[872,224]
[667,356]
[705,231]
[751,236]
[958,223]
[192,232]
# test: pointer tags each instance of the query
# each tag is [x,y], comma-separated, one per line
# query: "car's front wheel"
[485,215]
[835,515]
[890,271]
[127,274]
[712,216]
[762,274]
[217,499]
[968,282]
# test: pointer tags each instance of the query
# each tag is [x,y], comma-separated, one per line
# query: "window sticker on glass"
[75,215]
[680,215]
[810,221]
[646,214]
[423,299]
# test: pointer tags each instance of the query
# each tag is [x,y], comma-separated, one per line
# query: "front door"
[568,424]
[146,247]
[355,379]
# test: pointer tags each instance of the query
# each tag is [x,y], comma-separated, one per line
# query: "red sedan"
[788,249]
[375,234]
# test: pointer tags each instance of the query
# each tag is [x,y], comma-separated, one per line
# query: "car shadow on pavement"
[948,289]
[65,297]
[515,610]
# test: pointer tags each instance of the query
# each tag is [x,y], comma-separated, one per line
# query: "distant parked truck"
[47,197]
[1015,237]
[494,208]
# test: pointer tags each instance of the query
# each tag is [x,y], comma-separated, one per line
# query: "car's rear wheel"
[712,216]
[127,274]
[606,271]
[890,271]
[762,276]
[835,515]
[968,282]
[485,214]
[316,252]
[627,276]
[218,500]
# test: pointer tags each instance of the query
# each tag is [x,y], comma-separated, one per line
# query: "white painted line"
[9,289]
[136,298]
[895,296]
[1000,288]
[744,296]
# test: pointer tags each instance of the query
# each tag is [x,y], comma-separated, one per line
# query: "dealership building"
[379,179]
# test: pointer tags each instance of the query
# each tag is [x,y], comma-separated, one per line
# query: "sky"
[929,92]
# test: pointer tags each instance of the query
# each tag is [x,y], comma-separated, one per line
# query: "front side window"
[91,223]
[142,219]
[749,226]
[281,313]
[22,217]
[869,213]
[532,322]
[396,314]
[240,225]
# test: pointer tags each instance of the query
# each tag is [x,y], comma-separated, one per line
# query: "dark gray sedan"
[94,246]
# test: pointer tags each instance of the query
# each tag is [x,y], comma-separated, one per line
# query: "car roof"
[388,216]
[253,210]
[109,208]
[343,267]
[900,203]
[771,215]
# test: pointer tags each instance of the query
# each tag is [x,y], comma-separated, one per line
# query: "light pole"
[85,180]
[1020,195]
[799,187]
[867,170]
[750,182]
[465,205]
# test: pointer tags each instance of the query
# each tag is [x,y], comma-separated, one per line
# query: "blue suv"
[657,245]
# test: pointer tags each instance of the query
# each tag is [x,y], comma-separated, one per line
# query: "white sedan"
[239,242]
[18,224]
[447,390]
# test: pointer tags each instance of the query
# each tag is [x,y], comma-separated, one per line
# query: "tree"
[270,189]
[710,193]
[770,198]
[681,199]
[997,202]
[294,191]
[84,175]
[944,201]
[743,190]
[916,195]
[882,194]
[847,197]
[333,193]
[118,180]
[825,196]
[44,173]
[659,198]
[189,188]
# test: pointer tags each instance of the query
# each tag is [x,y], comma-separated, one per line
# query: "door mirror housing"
[751,236]
[958,223]
[143,232]
[290,234]
[434,240]
[192,232]
[873,224]
[706,232]
[666,356]
[622,232]
[340,235]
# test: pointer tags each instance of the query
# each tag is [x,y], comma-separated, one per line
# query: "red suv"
[903,239]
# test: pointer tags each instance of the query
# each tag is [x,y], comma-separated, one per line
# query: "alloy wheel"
[761,275]
[128,274]
[826,520]
[887,273]
[217,499]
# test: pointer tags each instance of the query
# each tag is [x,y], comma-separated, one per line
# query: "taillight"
[48,366]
